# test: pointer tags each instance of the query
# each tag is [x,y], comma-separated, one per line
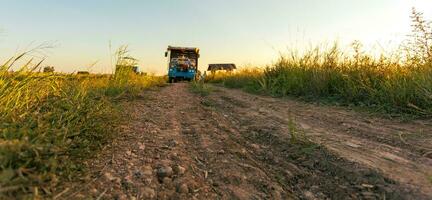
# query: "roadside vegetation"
[201,88]
[396,83]
[51,121]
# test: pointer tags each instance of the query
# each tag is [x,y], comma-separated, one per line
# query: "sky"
[245,32]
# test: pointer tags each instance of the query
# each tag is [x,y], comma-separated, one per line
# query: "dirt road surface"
[234,145]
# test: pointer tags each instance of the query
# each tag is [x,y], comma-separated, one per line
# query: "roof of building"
[183,48]
[222,66]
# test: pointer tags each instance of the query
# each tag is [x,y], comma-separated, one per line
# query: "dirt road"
[234,145]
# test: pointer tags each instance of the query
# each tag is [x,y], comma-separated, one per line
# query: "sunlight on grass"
[400,82]
[49,121]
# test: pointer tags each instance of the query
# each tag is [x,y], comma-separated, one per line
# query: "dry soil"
[235,145]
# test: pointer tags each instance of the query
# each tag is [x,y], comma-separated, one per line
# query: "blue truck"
[182,63]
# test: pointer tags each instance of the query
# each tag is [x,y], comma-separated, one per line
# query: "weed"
[207,103]
[292,130]
[200,88]
[309,149]
[297,136]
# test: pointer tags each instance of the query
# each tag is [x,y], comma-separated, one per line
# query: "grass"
[295,134]
[200,88]
[382,85]
[51,121]
[246,78]
[399,83]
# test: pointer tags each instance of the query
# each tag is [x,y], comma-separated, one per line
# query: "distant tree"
[48,69]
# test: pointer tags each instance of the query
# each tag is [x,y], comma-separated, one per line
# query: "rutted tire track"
[232,145]
[231,167]
[347,134]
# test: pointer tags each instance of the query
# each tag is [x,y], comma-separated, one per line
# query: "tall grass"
[50,121]
[396,83]
[246,78]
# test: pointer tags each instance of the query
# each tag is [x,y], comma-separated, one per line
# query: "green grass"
[51,121]
[200,88]
[296,135]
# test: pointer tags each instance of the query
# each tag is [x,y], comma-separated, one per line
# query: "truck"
[182,63]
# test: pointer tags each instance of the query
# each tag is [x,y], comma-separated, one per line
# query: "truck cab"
[182,63]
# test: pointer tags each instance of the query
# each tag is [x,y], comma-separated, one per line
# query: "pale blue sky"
[239,31]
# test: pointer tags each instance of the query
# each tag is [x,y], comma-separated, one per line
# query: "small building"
[223,66]
[83,73]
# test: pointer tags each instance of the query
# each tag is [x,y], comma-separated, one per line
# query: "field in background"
[397,83]
[49,121]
